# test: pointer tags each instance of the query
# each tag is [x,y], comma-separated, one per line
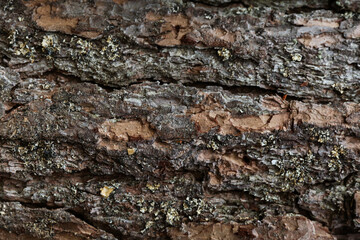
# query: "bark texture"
[158,119]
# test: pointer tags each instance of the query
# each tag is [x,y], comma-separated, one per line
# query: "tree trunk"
[213,119]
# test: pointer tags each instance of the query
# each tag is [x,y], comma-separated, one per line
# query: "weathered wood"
[180,120]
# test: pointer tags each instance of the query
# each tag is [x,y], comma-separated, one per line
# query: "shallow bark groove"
[211,119]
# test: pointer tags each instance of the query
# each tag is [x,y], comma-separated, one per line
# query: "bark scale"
[179,119]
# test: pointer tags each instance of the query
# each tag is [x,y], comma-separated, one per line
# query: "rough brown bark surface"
[158,119]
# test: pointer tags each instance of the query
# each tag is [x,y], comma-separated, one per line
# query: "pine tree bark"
[213,119]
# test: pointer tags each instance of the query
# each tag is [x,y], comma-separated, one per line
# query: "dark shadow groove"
[78,213]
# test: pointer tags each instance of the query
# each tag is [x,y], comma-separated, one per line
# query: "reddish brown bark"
[179,120]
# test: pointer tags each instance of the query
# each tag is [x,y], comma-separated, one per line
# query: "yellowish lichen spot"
[296,57]
[131,151]
[106,191]
[224,53]
[153,187]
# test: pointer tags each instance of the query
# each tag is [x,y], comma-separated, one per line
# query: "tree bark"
[213,119]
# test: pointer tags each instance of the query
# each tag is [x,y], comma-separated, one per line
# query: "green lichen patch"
[319,135]
[21,46]
[336,156]
[38,157]
[294,171]
[111,48]
[212,145]
[42,227]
